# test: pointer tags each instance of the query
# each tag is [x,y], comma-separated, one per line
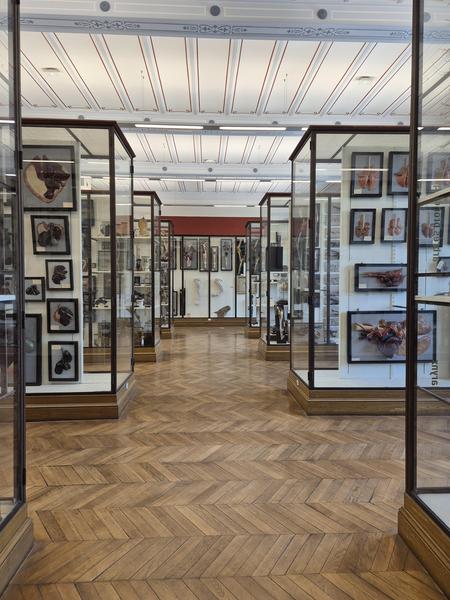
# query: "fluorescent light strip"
[333,181]
[443,128]
[364,169]
[155,126]
[180,179]
[231,205]
[246,128]
[6,122]
[433,180]
[69,162]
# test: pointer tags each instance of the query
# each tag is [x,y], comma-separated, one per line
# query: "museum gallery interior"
[224,300]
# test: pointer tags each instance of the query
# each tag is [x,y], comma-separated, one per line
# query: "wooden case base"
[147,354]
[166,333]
[354,401]
[212,322]
[427,540]
[66,407]
[253,333]
[273,352]
[16,540]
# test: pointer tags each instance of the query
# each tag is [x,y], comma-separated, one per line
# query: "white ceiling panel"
[33,92]
[235,148]
[158,143]
[210,146]
[254,63]
[285,149]
[392,88]
[295,62]
[212,59]
[171,60]
[185,148]
[127,55]
[329,73]
[260,149]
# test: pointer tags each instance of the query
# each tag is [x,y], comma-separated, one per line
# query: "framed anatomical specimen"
[377,277]
[62,315]
[50,234]
[34,289]
[366,175]
[438,172]
[49,178]
[59,274]
[33,349]
[203,244]
[226,254]
[63,361]
[189,256]
[398,173]
[431,226]
[214,259]
[380,337]
[362,226]
[393,224]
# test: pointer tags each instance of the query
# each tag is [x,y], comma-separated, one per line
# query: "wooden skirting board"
[213,322]
[427,540]
[166,333]
[16,540]
[354,401]
[147,354]
[253,332]
[66,407]
[273,352]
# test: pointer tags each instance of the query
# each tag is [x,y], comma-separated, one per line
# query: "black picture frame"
[354,216]
[62,248]
[370,285]
[241,256]
[55,327]
[174,303]
[189,254]
[59,346]
[203,254]
[226,254]
[66,197]
[7,236]
[40,283]
[443,264]
[33,356]
[438,168]
[214,259]
[173,258]
[426,240]
[357,190]
[387,214]
[398,173]
[50,274]
[378,356]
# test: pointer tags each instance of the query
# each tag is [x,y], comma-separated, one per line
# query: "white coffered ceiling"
[255,64]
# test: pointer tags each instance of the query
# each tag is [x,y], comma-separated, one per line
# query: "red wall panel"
[209,225]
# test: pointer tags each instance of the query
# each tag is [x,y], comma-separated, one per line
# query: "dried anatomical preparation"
[390,279]
[45,178]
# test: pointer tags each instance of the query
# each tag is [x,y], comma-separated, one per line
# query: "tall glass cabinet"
[274,279]
[424,521]
[147,275]
[14,344]
[253,237]
[167,276]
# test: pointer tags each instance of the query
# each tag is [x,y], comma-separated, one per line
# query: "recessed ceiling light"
[51,70]
[365,78]
[210,160]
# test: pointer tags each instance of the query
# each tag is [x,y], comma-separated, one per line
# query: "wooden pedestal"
[16,540]
[427,540]
[253,332]
[273,352]
[166,333]
[89,405]
[146,354]
[212,322]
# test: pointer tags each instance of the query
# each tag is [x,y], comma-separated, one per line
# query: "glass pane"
[156,248]
[166,275]
[194,261]
[241,276]
[222,281]
[300,263]
[253,272]
[143,283]
[263,303]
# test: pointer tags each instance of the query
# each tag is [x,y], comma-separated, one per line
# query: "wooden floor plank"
[211,487]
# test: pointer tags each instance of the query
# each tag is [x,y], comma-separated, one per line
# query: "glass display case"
[424,521]
[210,279]
[147,275]
[349,270]
[167,276]
[253,237]
[78,246]
[13,343]
[274,277]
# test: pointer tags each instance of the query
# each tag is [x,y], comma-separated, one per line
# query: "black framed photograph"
[34,289]
[203,244]
[214,259]
[189,254]
[173,252]
[62,315]
[49,181]
[59,274]
[362,225]
[378,277]
[6,240]
[380,337]
[50,234]
[393,224]
[63,361]
[398,173]
[438,172]
[226,254]
[366,175]
[431,226]
[33,349]
[241,256]
[442,264]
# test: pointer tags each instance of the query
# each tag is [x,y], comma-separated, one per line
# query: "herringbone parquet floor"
[210,488]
